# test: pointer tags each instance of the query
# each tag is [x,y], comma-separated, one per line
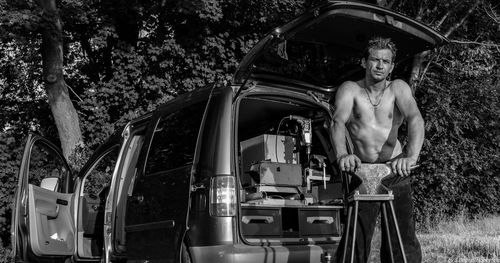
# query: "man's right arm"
[344,101]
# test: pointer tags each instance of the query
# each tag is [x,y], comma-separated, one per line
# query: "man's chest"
[383,113]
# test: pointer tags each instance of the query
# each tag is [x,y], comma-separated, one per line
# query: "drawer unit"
[291,222]
[261,221]
[319,221]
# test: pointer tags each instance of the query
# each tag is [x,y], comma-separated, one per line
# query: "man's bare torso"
[374,129]
[372,110]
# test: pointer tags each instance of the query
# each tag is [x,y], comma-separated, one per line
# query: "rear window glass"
[310,62]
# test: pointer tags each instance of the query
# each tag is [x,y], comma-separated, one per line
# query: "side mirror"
[50,183]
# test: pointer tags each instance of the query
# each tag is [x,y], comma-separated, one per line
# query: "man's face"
[379,64]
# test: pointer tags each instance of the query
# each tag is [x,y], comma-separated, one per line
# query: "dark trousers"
[368,212]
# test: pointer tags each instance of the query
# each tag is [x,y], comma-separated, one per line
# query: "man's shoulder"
[349,86]
[350,83]
[346,91]
[399,83]
[399,86]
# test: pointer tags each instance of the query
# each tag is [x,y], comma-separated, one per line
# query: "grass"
[459,240]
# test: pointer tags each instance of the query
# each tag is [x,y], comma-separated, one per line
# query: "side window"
[174,140]
[99,177]
[46,168]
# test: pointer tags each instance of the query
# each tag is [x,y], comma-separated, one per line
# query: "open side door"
[91,194]
[43,225]
[157,203]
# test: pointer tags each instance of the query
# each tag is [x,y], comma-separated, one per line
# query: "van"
[233,172]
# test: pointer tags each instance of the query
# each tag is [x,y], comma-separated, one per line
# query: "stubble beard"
[376,78]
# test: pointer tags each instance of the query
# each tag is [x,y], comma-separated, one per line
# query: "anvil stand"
[371,190]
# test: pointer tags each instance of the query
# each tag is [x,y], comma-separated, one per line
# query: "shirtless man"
[372,109]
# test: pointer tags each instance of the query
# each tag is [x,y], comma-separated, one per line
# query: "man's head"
[379,57]
[380,43]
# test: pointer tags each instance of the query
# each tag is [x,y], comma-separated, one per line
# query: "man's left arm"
[408,107]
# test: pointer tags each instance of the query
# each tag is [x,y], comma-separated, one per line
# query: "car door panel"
[42,225]
[50,222]
[161,198]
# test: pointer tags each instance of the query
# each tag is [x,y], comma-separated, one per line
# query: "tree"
[445,16]
[65,115]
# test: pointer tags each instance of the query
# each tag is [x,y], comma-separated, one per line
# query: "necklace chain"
[375,105]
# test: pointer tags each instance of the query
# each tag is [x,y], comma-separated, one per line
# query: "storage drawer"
[319,221]
[261,221]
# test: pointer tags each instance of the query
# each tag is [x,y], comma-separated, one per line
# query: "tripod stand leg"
[397,231]
[346,239]
[356,206]
[386,225]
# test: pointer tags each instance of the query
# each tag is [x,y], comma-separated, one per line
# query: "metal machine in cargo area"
[287,190]
[273,164]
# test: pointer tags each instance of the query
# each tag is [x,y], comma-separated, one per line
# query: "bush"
[10,154]
[461,154]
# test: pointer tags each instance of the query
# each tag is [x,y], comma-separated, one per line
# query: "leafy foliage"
[194,47]
[461,157]
[10,154]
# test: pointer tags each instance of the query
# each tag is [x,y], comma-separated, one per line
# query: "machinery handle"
[257,219]
[319,220]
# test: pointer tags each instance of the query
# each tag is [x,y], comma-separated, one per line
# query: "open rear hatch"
[290,191]
[322,48]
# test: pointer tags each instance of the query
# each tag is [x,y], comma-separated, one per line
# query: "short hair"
[380,43]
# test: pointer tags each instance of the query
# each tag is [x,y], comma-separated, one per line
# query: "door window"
[99,178]
[46,168]
[174,140]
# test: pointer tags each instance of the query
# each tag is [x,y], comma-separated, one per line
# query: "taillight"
[223,196]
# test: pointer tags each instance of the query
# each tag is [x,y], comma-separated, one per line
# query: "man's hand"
[349,163]
[403,166]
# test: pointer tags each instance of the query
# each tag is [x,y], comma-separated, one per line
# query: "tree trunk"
[416,68]
[419,59]
[65,115]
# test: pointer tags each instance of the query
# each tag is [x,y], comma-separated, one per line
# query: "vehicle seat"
[99,218]
[89,214]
